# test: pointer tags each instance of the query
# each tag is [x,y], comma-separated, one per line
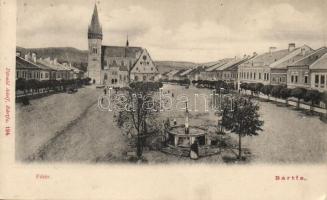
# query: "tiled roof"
[172,72]
[217,64]
[180,72]
[186,72]
[22,63]
[56,66]
[121,51]
[321,63]
[231,64]
[311,58]
[270,57]
[292,57]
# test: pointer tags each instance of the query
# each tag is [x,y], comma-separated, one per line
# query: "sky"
[176,30]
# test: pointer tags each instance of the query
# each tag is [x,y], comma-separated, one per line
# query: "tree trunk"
[239,147]
[311,106]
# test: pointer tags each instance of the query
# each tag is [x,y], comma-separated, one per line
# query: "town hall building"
[116,66]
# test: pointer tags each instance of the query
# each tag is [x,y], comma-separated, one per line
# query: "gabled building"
[28,68]
[278,69]
[228,72]
[298,73]
[209,73]
[116,65]
[318,74]
[258,69]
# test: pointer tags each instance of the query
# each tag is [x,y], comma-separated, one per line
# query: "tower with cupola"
[94,46]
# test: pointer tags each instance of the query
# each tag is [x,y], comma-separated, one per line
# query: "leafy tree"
[285,93]
[275,91]
[243,120]
[266,89]
[138,111]
[298,93]
[258,87]
[252,88]
[244,86]
[314,96]
[21,85]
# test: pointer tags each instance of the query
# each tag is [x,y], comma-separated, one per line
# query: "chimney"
[291,46]
[303,52]
[18,53]
[27,56]
[34,57]
[272,49]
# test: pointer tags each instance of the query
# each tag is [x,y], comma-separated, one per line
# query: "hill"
[77,57]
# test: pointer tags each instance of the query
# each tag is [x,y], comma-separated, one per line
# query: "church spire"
[95,29]
[127,42]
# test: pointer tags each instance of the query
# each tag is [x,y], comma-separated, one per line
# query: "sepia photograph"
[171,82]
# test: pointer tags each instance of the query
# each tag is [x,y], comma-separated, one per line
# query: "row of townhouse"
[225,70]
[29,67]
[294,67]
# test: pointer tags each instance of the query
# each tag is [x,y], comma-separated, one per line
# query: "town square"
[113,102]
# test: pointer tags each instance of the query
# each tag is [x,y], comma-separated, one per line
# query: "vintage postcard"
[174,99]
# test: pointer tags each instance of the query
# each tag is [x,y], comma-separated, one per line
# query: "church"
[116,66]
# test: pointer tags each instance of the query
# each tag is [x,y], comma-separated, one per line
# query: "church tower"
[95,41]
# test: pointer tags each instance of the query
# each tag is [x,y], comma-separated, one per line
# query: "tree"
[21,85]
[243,120]
[314,96]
[298,93]
[258,87]
[252,88]
[324,100]
[244,86]
[285,93]
[275,91]
[138,111]
[266,89]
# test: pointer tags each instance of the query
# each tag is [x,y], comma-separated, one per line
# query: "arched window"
[136,78]
[144,78]
[105,76]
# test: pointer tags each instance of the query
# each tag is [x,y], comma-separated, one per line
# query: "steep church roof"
[95,29]
[121,52]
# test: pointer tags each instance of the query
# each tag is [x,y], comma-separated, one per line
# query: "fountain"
[180,140]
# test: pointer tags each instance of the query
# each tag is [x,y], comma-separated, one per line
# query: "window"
[292,79]
[251,75]
[316,80]
[295,79]
[144,78]
[17,74]
[94,50]
[267,76]
[254,74]
[322,81]
[306,79]
[260,76]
